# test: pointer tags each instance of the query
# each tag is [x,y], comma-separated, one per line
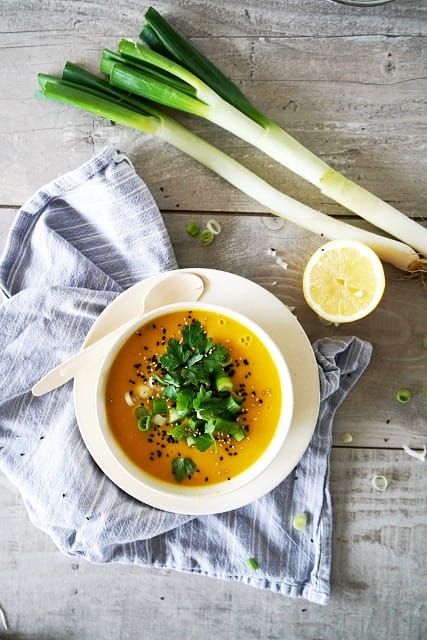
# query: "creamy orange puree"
[254,376]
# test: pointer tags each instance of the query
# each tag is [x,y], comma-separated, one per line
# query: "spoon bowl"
[176,286]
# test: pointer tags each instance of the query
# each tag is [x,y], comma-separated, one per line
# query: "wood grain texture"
[353,93]
[378,578]
[351,84]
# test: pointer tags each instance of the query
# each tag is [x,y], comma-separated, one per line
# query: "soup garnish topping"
[197,395]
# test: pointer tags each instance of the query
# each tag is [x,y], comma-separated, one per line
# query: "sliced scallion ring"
[214,227]
[206,237]
[380,483]
[403,396]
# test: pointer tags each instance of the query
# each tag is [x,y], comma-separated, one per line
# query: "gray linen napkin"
[74,246]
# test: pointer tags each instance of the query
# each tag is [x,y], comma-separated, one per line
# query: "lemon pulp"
[343,281]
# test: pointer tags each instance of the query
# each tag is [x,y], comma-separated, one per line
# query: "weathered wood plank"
[350,83]
[216,18]
[378,579]
[396,328]
[359,102]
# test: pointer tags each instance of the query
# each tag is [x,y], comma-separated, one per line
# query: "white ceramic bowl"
[163,488]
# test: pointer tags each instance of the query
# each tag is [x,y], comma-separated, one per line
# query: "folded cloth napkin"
[74,246]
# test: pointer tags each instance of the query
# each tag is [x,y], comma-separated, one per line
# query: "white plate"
[273,316]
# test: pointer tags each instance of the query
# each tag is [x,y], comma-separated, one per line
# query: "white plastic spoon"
[174,287]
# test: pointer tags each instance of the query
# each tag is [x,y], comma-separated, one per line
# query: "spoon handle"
[67,370]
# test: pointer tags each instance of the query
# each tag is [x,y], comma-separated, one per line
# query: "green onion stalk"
[79,88]
[210,94]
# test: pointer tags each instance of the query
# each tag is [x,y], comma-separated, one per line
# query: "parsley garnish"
[182,467]
[200,395]
[197,396]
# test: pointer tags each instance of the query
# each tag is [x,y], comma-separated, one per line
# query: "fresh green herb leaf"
[210,426]
[170,392]
[219,352]
[177,354]
[194,359]
[184,401]
[202,395]
[204,441]
[173,379]
[183,467]
[179,432]
[194,335]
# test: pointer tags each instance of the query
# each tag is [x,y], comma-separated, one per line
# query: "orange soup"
[162,412]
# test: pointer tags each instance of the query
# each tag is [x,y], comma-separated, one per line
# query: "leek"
[229,108]
[81,89]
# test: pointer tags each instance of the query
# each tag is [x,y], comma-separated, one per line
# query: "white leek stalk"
[95,96]
[216,98]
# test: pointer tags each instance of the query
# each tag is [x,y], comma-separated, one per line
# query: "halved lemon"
[343,281]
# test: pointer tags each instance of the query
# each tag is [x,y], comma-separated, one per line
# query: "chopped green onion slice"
[239,435]
[403,396]
[347,438]
[129,399]
[214,227]
[234,404]
[144,423]
[380,483]
[223,383]
[159,405]
[299,521]
[206,237]
[253,564]
[192,229]
[141,412]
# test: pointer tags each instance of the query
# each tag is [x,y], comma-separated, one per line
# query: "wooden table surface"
[351,84]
